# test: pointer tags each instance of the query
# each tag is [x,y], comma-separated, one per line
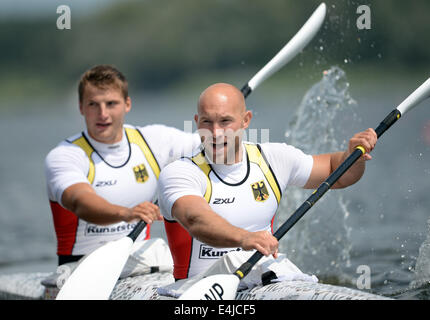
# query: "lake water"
[380,225]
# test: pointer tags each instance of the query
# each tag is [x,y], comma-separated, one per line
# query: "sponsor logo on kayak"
[94,230]
[207,252]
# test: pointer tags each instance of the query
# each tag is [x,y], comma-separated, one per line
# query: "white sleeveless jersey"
[123,185]
[131,181]
[250,204]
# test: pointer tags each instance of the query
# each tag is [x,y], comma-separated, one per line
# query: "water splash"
[313,128]
[422,265]
[320,242]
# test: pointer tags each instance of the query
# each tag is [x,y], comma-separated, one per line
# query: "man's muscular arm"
[195,215]
[82,200]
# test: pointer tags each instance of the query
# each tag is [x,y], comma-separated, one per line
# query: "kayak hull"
[144,287]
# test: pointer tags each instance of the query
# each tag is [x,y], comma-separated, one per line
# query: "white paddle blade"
[95,277]
[292,48]
[217,287]
[420,94]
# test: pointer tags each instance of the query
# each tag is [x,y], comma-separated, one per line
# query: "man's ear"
[247,119]
[196,119]
[128,104]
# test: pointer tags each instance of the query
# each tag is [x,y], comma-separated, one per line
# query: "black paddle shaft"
[245,268]
[246,90]
[137,230]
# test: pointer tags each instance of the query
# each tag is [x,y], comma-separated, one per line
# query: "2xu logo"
[223,201]
[107,183]
[215,292]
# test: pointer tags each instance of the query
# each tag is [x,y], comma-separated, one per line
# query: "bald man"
[225,198]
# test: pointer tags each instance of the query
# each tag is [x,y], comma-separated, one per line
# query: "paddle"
[95,277]
[224,287]
[290,50]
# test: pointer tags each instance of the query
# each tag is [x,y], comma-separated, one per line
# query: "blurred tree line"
[159,43]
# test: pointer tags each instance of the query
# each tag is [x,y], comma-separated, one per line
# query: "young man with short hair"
[103,180]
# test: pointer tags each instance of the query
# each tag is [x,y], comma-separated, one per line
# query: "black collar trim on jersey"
[112,166]
[234,184]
